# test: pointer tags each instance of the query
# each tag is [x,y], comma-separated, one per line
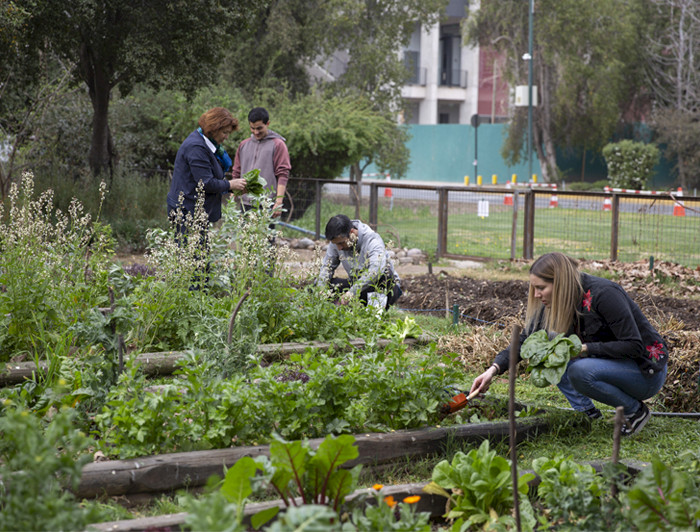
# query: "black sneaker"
[636,422]
[593,413]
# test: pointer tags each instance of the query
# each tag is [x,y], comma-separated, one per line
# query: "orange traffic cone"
[508,198]
[607,203]
[387,191]
[554,200]
[679,207]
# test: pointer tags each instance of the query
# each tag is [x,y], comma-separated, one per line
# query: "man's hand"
[277,208]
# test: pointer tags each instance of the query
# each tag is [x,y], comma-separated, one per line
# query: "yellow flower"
[413,499]
[389,499]
[377,487]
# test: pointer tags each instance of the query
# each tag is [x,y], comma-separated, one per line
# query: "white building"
[450,82]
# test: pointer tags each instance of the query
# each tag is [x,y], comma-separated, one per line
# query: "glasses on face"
[341,242]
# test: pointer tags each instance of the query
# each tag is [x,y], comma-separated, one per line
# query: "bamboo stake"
[617,432]
[512,372]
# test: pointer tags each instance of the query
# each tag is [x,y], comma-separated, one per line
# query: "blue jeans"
[614,382]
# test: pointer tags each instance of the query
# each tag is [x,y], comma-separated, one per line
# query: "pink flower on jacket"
[587,300]
[656,350]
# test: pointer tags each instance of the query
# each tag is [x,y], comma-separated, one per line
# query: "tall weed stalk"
[151,316]
[51,268]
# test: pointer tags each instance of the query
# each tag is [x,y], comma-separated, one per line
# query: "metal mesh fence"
[579,225]
[475,222]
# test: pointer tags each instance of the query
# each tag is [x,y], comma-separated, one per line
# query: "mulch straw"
[681,392]
[477,348]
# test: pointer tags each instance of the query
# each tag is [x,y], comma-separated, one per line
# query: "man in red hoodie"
[267,151]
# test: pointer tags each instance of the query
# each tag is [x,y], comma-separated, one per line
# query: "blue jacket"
[195,162]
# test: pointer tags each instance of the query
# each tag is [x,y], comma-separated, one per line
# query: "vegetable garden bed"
[148,476]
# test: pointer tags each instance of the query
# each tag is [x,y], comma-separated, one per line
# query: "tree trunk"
[544,144]
[102,157]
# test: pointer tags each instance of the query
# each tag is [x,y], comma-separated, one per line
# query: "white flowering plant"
[630,164]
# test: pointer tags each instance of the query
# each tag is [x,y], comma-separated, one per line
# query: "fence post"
[373,205]
[442,223]
[318,209]
[529,224]
[614,226]
[514,230]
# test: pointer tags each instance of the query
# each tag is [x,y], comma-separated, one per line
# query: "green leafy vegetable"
[255,183]
[548,358]
[481,491]
[402,329]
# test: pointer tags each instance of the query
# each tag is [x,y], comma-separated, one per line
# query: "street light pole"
[529,91]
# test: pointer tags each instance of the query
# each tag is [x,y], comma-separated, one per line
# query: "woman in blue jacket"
[623,361]
[202,159]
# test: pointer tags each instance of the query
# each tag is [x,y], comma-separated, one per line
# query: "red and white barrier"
[628,191]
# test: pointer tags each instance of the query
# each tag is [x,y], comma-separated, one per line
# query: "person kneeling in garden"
[371,274]
[622,360]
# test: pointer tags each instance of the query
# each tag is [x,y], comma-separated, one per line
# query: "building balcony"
[453,78]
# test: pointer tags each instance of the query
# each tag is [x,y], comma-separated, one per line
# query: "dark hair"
[216,119]
[258,113]
[338,225]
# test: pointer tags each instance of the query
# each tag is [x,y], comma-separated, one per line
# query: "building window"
[416,75]
[451,73]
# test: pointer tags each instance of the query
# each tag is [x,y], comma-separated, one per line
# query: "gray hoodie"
[365,263]
[270,155]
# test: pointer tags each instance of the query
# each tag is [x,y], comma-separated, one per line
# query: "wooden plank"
[16,372]
[165,363]
[169,472]
[434,504]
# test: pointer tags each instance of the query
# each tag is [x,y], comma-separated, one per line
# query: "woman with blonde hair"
[623,360]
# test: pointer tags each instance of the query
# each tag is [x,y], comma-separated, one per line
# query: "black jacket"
[612,325]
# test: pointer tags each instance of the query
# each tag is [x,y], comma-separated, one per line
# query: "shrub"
[630,164]
[36,465]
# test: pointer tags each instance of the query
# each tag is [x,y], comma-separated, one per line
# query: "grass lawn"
[579,232]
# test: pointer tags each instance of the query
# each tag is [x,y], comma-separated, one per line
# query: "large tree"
[285,38]
[586,66]
[30,80]
[117,43]
[294,37]
[372,33]
[673,67]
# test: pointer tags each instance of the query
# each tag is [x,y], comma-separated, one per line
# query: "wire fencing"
[473,222]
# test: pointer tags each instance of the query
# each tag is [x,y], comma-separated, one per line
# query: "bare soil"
[481,299]
[499,301]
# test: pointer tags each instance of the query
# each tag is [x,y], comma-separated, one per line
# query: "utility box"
[521,92]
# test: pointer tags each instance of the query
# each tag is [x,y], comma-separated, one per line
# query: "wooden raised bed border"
[165,363]
[434,504]
[152,475]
